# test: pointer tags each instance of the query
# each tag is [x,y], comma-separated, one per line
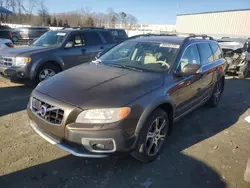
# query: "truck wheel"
[15,39]
[215,98]
[46,71]
[152,137]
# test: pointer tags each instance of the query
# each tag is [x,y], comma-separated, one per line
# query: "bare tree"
[43,12]
[31,5]
[131,21]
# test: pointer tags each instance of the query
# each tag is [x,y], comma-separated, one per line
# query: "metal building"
[220,23]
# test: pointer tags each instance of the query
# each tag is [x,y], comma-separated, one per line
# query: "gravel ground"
[208,148]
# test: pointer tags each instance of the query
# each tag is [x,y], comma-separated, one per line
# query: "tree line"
[35,12]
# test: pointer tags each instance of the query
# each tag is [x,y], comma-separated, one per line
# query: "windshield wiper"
[125,67]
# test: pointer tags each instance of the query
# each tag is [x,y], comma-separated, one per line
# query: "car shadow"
[14,99]
[174,168]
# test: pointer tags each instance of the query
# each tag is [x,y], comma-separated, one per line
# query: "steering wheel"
[163,63]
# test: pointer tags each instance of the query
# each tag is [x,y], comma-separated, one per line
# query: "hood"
[231,45]
[99,86]
[28,51]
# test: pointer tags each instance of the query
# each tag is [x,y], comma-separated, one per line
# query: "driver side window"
[77,40]
[190,56]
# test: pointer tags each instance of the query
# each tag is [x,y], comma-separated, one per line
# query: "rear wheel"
[215,98]
[152,137]
[46,71]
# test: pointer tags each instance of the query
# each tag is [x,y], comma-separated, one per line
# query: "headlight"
[108,115]
[21,61]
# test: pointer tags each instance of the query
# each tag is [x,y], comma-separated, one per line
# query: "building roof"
[211,12]
[5,11]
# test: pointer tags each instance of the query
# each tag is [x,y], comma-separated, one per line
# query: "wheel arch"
[39,65]
[167,106]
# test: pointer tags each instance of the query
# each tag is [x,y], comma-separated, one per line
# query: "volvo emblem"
[43,110]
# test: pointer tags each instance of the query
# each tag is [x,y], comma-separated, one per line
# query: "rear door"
[108,38]
[185,87]
[208,62]
[93,45]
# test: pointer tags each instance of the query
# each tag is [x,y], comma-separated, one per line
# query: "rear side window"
[107,36]
[92,38]
[122,33]
[205,53]
[216,51]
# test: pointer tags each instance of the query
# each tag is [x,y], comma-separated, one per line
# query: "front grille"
[6,61]
[46,111]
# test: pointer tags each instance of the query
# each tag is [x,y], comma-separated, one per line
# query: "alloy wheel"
[45,74]
[156,136]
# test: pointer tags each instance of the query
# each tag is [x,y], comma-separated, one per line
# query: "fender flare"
[40,62]
[148,111]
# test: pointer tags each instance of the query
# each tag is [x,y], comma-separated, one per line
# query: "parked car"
[54,52]
[129,98]
[237,55]
[119,34]
[5,44]
[25,34]
[5,32]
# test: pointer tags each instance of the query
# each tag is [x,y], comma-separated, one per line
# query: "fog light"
[98,146]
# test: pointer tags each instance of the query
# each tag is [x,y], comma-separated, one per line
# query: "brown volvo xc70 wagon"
[128,99]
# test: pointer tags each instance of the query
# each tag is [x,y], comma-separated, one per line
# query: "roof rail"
[203,36]
[92,28]
[81,28]
[151,34]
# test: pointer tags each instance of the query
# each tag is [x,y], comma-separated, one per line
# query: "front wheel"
[46,71]
[152,137]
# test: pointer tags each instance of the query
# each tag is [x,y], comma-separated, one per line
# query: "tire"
[149,136]
[46,71]
[15,39]
[215,98]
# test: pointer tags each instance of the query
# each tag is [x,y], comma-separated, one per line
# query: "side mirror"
[189,69]
[69,45]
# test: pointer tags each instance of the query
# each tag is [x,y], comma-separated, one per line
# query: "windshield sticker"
[61,34]
[169,45]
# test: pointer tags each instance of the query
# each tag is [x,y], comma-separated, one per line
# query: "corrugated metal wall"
[233,23]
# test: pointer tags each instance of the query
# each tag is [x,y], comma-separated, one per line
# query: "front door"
[77,54]
[185,87]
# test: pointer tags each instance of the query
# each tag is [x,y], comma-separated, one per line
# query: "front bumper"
[70,149]
[15,73]
[83,140]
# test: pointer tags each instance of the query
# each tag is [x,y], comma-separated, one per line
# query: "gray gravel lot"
[208,148]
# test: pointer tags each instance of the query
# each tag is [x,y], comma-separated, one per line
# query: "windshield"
[141,55]
[51,38]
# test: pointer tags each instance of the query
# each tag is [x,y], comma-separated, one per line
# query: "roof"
[5,11]
[211,12]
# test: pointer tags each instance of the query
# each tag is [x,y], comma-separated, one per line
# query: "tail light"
[9,44]
[10,35]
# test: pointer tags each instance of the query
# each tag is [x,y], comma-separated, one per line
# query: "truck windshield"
[149,56]
[51,38]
